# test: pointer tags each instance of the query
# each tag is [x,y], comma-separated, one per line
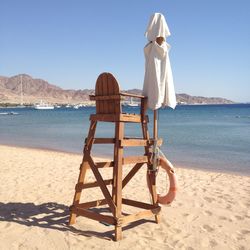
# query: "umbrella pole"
[155,125]
[155,135]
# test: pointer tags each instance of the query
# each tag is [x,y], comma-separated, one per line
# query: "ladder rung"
[93,215]
[140,215]
[80,186]
[134,142]
[91,204]
[106,164]
[139,204]
[134,159]
[102,140]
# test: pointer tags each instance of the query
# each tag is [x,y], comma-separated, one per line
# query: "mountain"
[36,89]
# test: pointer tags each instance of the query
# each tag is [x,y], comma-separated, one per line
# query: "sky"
[69,43]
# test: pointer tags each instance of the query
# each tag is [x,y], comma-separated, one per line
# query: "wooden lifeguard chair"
[108,109]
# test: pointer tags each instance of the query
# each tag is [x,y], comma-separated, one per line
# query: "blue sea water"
[209,137]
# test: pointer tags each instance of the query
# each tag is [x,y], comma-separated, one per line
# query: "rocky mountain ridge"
[36,89]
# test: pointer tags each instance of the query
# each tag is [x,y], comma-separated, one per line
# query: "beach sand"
[211,210]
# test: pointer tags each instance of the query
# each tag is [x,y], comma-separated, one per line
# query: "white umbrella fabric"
[158,80]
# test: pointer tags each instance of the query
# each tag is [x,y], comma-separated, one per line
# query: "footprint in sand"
[7,225]
[225,218]
[208,213]
[213,243]
[238,217]
[207,228]
[244,231]
[208,199]
[222,218]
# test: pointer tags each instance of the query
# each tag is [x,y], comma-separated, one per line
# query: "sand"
[211,210]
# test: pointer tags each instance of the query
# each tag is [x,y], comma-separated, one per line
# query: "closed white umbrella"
[158,81]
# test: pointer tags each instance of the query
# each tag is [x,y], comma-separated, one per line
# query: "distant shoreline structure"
[33,90]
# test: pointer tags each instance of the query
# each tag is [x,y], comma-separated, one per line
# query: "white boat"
[9,113]
[132,104]
[21,94]
[43,105]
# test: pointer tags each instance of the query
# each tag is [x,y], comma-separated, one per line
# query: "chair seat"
[119,118]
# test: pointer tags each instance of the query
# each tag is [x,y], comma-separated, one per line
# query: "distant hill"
[36,89]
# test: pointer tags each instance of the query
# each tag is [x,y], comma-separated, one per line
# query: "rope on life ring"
[170,196]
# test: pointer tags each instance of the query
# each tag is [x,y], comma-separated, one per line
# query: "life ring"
[170,196]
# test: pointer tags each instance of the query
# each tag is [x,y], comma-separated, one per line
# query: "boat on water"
[9,113]
[132,103]
[43,105]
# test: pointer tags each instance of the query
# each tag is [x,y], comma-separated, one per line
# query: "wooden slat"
[104,117]
[151,175]
[112,91]
[105,92]
[135,142]
[144,103]
[103,140]
[102,185]
[117,118]
[117,176]
[98,91]
[105,97]
[95,216]
[89,139]
[134,159]
[83,168]
[131,95]
[106,164]
[131,173]
[138,216]
[80,186]
[130,118]
[139,204]
[91,204]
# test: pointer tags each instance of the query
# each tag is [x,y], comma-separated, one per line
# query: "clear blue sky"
[68,43]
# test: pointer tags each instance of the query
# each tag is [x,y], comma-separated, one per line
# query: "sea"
[207,137]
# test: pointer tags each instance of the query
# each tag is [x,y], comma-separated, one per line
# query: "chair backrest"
[106,85]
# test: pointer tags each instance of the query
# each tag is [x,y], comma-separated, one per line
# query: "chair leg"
[83,168]
[117,194]
[151,175]
[152,186]
[76,200]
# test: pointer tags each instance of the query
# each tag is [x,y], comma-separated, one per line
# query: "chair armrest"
[104,97]
[132,95]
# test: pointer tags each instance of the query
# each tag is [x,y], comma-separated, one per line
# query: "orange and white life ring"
[170,196]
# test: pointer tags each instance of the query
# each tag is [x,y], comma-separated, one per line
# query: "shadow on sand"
[52,216]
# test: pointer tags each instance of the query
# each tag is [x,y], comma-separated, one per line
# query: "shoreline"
[107,158]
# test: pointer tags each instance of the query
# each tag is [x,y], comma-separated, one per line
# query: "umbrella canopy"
[158,81]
